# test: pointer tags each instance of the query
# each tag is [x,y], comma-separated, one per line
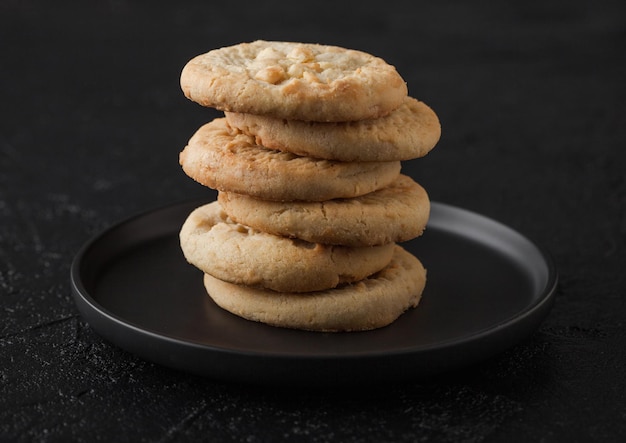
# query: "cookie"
[301,81]
[408,132]
[396,213]
[241,255]
[368,304]
[232,162]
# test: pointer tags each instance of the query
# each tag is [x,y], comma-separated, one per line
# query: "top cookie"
[300,81]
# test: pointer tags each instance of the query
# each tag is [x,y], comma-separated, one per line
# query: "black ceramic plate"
[488,288]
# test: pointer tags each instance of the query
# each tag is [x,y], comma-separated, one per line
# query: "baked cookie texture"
[369,304]
[395,213]
[300,81]
[238,254]
[408,132]
[311,200]
[231,161]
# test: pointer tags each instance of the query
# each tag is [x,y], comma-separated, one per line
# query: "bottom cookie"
[371,303]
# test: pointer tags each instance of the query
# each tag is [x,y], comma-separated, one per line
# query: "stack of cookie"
[311,201]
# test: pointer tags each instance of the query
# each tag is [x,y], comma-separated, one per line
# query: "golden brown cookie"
[238,254]
[396,213]
[300,81]
[368,304]
[408,132]
[220,159]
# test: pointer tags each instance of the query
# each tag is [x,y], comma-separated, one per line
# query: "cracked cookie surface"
[408,132]
[302,81]
[368,304]
[227,160]
[396,213]
[241,255]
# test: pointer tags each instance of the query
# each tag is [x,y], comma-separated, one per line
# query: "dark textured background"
[532,99]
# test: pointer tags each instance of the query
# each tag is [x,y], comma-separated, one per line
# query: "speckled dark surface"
[532,99]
